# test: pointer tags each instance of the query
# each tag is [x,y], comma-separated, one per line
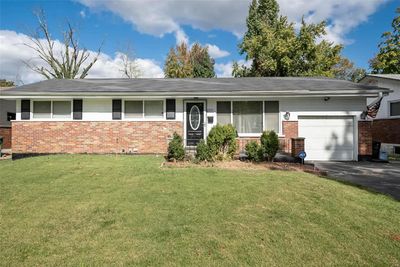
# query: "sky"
[152,27]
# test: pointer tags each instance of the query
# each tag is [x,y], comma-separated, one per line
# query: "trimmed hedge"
[175,148]
[220,145]
[269,146]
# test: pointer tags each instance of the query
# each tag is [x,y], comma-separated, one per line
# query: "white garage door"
[327,137]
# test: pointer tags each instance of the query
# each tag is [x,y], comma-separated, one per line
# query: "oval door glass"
[194,117]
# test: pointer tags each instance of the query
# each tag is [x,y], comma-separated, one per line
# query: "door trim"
[185,102]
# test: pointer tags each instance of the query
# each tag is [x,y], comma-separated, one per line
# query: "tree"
[387,61]
[202,63]
[130,67]
[276,49]
[69,63]
[5,83]
[178,63]
[183,62]
[345,70]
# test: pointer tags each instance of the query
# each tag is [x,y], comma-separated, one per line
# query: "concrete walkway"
[379,177]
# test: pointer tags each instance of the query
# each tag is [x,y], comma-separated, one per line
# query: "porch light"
[287,115]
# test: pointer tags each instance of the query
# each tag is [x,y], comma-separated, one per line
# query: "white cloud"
[216,52]
[225,69]
[181,37]
[14,53]
[82,14]
[160,17]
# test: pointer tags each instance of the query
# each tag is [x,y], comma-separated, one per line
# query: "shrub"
[175,148]
[270,144]
[221,142]
[202,151]
[254,151]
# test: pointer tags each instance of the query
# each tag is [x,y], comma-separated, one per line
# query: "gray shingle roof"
[385,76]
[201,87]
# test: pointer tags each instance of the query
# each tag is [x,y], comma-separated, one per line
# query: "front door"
[194,123]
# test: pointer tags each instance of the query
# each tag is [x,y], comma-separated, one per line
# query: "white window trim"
[51,110]
[263,117]
[144,118]
[389,108]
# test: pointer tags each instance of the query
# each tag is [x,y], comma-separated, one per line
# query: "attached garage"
[328,137]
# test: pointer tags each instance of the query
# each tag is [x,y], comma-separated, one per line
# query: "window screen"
[42,109]
[153,109]
[395,109]
[61,109]
[271,116]
[133,109]
[224,112]
[247,116]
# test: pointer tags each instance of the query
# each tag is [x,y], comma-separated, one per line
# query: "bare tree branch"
[72,61]
[130,68]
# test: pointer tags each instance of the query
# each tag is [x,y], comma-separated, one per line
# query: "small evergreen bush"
[221,142]
[270,144]
[203,151]
[220,145]
[175,148]
[254,151]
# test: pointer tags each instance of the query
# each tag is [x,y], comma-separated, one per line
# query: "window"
[248,116]
[61,109]
[395,109]
[42,109]
[271,118]
[224,112]
[133,109]
[153,109]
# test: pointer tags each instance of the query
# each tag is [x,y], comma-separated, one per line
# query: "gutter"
[297,93]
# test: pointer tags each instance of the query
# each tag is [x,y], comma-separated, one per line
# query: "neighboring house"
[386,125]
[7,113]
[140,115]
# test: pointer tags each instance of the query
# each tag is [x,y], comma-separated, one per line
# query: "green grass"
[126,210]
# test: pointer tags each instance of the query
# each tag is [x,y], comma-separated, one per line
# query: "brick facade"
[290,130]
[5,132]
[242,141]
[31,137]
[297,146]
[364,139]
[386,131]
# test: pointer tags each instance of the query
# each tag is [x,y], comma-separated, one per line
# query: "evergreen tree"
[387,61]
[202,63]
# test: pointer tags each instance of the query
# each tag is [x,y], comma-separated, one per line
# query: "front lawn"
[126,210]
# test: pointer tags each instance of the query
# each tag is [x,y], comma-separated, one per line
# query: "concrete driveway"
[380,177]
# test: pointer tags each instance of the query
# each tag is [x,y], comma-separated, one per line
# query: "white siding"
[335,106]
[6,106]
[392,97]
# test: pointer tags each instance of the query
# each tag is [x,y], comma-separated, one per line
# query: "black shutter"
[25,109]
[77,109]
[170,109]
[116,109]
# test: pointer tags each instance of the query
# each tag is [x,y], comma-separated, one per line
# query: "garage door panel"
[327,138]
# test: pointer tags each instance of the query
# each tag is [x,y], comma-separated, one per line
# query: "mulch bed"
[246,165]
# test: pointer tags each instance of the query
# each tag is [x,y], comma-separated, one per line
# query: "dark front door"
[194,123]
